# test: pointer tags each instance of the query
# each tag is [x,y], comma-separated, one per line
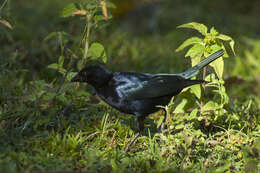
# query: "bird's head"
[95,75]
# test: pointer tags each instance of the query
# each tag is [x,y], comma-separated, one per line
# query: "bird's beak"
[76,78]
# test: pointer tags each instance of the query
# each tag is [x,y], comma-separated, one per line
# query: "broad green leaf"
[180,107]
[68,10]
[227,38]
[193,114]
[195,60]
[188,42]
[179,126]
[53,66]
[215,48]
[197,26]
[97,50]
[209,106]
[224,37]
[196,89]
[196,51]
[218,66]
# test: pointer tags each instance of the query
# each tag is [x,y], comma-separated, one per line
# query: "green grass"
[50,124]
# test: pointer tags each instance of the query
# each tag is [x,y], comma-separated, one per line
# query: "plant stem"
[88,18]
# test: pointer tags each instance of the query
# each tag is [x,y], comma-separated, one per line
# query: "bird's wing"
[127,83]
[159,85]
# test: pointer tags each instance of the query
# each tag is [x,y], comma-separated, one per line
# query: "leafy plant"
[203,47]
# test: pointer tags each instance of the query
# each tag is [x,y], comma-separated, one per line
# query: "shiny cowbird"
[139,94]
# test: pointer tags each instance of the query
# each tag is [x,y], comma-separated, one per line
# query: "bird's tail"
[189,82]
[195,69]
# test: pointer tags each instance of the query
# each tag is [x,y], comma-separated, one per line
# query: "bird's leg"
[162,128]
[141,126]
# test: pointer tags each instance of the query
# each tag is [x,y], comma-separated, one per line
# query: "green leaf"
[224,37]
[49,36]
[211,77]
[160,121]
[197,26]
[68,10]
[193,114]
[209,106]
[62,70]
[54,66]
[232,44]
[180,107]
[179,126]
[195,60]
[213,31]
[218,66]
[196,89]
[98,18]
[188,42]
[97,50]
[196,51]
[227,38]
[61,61]
[70,75]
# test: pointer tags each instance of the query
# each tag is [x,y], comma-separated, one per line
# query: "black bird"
[139,93]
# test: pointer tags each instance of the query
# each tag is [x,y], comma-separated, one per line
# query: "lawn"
[48,123]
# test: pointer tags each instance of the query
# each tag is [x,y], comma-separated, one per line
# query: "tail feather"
[193,82]
[195,70]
